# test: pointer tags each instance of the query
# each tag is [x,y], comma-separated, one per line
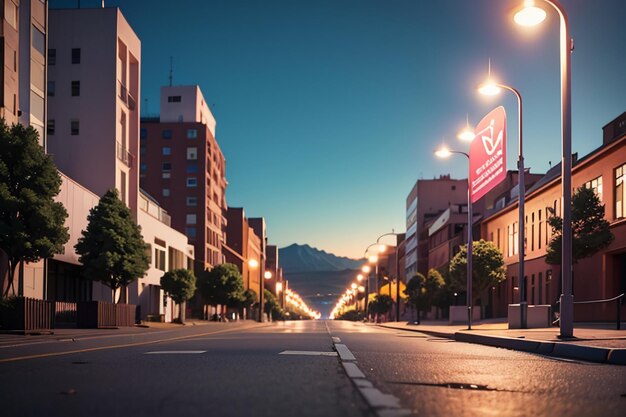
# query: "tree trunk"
[11,275]
[181,312]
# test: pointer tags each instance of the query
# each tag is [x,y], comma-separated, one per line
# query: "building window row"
[52,53]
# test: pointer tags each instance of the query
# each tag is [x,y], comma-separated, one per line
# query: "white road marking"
[344,352]
[175,352]
[307,353]
[352,370]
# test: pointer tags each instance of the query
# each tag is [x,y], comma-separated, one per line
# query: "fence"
[27,314]
[102,315]
[64,312]
[618,303]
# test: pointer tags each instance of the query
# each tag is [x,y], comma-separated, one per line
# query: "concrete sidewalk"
[594,342]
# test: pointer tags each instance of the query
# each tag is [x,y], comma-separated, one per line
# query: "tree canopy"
[31,222]
[381,304]
[221,285]
[590,230]
[487,267]
[180,284]
[112,249]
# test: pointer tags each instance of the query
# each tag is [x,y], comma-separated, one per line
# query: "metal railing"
[126,97]
[618,303]
[124,156]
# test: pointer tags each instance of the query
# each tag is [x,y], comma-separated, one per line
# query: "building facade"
[601,276]
[183,166]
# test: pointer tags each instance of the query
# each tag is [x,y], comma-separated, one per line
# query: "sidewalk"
[594,342]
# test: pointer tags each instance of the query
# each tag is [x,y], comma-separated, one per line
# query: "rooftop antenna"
[171,77]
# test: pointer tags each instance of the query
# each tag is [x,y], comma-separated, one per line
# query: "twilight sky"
[329,110]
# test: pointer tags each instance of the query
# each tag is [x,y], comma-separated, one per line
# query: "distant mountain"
[304,258]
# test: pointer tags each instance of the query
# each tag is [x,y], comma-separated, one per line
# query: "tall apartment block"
[428,199]
[183,167]
[23,70]
[93,90]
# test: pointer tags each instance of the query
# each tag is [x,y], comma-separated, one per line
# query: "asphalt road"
[290,369]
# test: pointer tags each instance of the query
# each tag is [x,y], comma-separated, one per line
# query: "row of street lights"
[531,15]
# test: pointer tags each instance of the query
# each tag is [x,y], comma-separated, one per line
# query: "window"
[513,244]
[51,88]
[75,55]
[192,168]
[143,133]
[74,127]
[52,56]
[166,134]
[192,182]
[39,41]
[75,88]
[192,153]
[192,133]
[167,166]
[165,192]
[190,232]
[620,191]
[50,128]
[191,219]
[159,259]
[192,201]
[166,175]
[174,99]
[167,150]
[10,13]
[596,185]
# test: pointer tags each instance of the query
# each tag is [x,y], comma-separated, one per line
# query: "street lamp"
[382,248]
[492,88]
[444,152]
[530,15]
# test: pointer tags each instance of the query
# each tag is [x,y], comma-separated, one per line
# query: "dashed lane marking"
[175,352]
[307,353]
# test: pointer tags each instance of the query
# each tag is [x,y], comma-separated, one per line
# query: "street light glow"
[382,248]
[253,263]
[359,277]
[489,88]
[467,134]
[366,269]
[373,259]
[529,14]
[353,285]
[443,152]
[267,275]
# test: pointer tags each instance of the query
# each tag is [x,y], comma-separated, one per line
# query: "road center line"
[151,342]
[175,352]
[307,353]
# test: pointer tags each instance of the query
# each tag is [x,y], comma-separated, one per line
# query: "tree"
[31,222]
[413,291]
[434,294]
[381,304]
[112,249]
[590,230]
[487,267]
[180,284]
[248,299]
[272,307]
[222,285]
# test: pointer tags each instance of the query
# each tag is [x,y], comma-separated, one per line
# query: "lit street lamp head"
[382,248]
[373,259]
[253,263]
[366,269]
[443,152]
[466,135]
[267,275]
[359,277]
[529,14]
[489,88]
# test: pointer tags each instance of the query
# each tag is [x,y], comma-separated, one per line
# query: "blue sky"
[328,111]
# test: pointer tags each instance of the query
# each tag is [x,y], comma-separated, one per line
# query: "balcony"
[126,97]
[124,156]
[151,207]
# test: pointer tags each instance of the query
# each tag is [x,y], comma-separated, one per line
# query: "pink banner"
[488,154]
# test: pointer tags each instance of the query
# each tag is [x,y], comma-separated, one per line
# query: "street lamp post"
[491,88]
[266,275]
[445,153]
[531,15]
[397,272]
[252,264]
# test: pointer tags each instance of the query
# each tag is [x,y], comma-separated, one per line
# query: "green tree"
[272,307]
[31,222]
[487,267]
[435,289]
[590,230]
[180,284]
[413,291]
[112,249]
[222,285]
[380,305]
[248,299]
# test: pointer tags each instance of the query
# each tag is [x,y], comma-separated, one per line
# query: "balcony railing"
[124,156]
[126,97]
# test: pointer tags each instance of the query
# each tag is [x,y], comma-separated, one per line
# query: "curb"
[595,354]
